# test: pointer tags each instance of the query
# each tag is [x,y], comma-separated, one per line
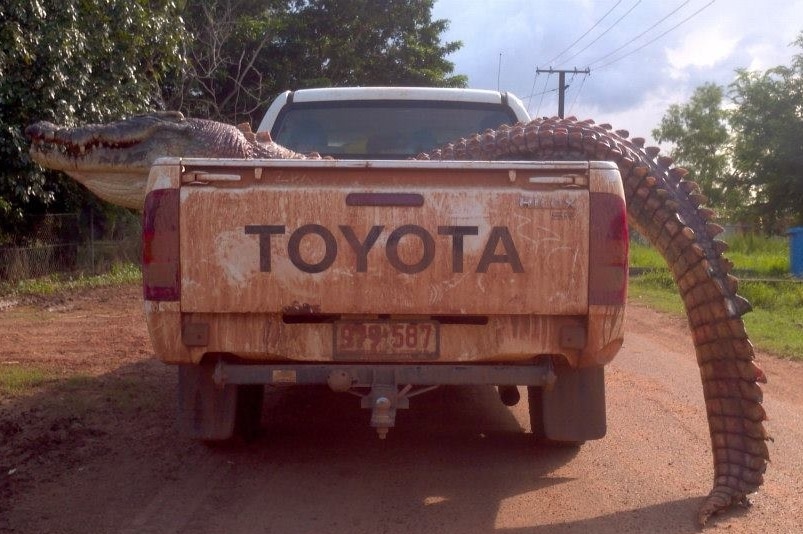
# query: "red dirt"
[95,450]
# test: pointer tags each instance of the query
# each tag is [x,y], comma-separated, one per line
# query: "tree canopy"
[81,61]
[70,61]
[747,153]
[242,53]
[767,127]
[699,132]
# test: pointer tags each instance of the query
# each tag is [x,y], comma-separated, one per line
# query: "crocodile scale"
[666,208]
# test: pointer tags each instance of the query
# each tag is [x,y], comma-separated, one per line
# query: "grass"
[75,395]
[16,379]
[656,289]
[762,256]
[120,274]
[776,323]
[765,257]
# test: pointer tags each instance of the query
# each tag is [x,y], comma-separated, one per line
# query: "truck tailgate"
[369,237]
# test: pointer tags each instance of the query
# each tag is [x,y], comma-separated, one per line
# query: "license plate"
[386,339]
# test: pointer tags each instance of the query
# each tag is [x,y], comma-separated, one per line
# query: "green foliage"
[362,42]
[16,380]
[645,256]
[73,61]
[748,158]
[89,61]
[228,75]
[768,140]
[759,255]
[120,274]
[650,289]
[755,255]
[243,53]
[751,244]
[699,133]
[776,323]
[773,297]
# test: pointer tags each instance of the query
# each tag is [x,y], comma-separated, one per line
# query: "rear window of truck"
[384,129]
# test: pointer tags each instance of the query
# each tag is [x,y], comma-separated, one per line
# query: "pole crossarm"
[562,82]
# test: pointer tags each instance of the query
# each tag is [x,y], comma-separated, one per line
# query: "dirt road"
[94,450]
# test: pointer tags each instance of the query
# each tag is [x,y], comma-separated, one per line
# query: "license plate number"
[388,339]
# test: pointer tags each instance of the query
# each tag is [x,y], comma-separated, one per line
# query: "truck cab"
[384,122]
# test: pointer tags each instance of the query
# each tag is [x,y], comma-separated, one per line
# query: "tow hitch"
[383,416]
[384,394]
[383,400]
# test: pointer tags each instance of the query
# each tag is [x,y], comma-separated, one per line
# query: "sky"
[643,55]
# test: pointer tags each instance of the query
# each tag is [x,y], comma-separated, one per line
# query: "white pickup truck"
[382,276]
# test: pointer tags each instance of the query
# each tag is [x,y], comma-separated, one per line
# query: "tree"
[768,140]
[701,141]
[80,61]
[71,61]
[243,52]
[749,158]
[362,42]
[226,45]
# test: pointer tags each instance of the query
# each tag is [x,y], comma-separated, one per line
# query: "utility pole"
[562,83]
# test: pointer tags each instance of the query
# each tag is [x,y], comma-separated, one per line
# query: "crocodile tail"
[667,209]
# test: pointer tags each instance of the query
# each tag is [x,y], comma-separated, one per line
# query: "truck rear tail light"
[608,250]
[160,246]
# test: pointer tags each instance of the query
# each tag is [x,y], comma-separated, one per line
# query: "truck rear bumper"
[342,377]
[582,341]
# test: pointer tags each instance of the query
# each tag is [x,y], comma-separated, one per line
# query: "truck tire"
[249,410]
[572,411]
[213,413]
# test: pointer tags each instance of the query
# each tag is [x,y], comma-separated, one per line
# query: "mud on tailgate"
[385,238]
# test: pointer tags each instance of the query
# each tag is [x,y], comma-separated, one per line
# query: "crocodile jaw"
[126,189]
[112,161]
[119,182]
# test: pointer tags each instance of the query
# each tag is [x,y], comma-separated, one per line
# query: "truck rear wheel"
[572,411]
[249,410]
[210,412]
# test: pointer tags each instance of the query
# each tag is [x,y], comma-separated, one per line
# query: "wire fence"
[73,243]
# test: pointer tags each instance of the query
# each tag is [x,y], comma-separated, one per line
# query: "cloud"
[638,87]
[702,48]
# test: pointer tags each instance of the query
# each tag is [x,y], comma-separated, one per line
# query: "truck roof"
[398,93]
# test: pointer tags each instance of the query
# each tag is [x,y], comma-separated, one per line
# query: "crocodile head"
[113,160]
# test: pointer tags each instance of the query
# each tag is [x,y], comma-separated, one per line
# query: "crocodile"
[661,203]
[113,160]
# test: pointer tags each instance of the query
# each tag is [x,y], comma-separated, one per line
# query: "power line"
[551,61]
[574,101]
[532,92]
[586,47]
[657,37]
[637,37]
[537,111]
[544,92]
